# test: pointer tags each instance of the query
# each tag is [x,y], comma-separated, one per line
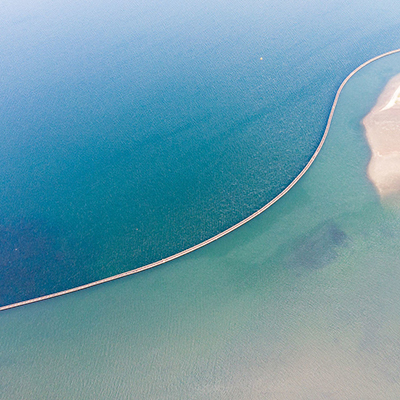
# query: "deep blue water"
[133,130]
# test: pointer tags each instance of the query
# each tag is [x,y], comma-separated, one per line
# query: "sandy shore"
[382,128]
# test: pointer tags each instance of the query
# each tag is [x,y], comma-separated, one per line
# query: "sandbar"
[382,129]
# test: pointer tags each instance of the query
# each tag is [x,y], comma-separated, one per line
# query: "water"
[300,303]
[135,131]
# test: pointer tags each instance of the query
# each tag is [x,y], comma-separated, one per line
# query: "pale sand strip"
[249,218]
[394,100]
[382,129]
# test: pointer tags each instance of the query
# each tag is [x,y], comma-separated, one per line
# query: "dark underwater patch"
[317,248]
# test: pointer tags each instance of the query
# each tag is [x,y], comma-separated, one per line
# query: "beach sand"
[382,128]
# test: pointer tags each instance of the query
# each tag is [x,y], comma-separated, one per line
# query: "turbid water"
[301,303]
[129,134]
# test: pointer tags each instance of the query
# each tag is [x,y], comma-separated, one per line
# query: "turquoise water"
[300,303]
[133,131]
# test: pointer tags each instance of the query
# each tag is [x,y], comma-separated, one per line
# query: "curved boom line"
[219,235]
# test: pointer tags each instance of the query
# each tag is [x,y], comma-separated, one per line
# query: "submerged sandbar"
[382,129]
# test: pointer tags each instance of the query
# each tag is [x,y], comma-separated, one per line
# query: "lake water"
[300,303]
[133,131]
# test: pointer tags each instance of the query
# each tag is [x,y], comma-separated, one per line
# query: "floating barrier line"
[229,230]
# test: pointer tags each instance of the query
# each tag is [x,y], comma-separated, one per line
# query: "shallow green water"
[301,303]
